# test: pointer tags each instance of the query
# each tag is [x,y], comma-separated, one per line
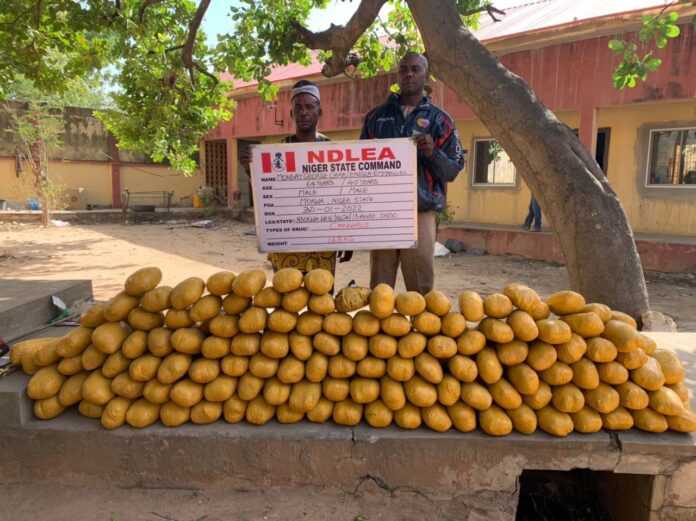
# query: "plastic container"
[196,200]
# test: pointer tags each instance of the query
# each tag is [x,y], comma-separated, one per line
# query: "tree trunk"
[585,214]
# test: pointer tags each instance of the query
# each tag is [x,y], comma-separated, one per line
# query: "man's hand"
[245,159]
[424,142]
[344,256]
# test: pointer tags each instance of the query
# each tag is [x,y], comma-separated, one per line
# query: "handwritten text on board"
[335,195]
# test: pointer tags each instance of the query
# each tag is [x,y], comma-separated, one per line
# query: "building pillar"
[232,180]
[115,172]
[588,128]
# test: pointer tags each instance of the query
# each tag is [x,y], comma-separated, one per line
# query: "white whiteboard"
[335,195]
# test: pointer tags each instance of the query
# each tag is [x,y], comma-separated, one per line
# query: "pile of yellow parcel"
[245,351]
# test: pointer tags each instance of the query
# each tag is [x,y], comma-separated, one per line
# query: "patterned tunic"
[304,261]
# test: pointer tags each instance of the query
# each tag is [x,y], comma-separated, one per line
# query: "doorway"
[243,181]
[582,494]
[602,149]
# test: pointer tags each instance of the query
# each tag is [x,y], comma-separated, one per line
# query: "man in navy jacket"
[440,158]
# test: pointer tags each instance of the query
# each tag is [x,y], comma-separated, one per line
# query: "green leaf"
[661,42]
[653,64]
[616,45]
[672,31]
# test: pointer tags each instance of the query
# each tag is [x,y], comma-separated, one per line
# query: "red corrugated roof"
[520,19]
[280,73]
[547,14]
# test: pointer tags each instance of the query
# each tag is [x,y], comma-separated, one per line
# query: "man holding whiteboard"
[305,111]
[440,159]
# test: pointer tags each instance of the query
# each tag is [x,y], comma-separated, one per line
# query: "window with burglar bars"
[672,157]
[216,167]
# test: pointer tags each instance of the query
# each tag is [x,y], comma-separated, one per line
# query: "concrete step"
[671,254]
[26,305]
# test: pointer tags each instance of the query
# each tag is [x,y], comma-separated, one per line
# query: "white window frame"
[647,165]
[489,185]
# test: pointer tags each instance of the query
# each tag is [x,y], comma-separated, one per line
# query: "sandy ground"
[108,253]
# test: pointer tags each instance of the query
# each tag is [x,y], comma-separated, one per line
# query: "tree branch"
[21,15]
[187,54]
[491,10]
[338,38]
[202,70]
[170,49]
[385,28]
[146,4]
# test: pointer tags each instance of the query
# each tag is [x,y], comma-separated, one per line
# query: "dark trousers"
[533,215]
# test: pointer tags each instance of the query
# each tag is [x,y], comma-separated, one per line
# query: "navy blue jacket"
[387,121]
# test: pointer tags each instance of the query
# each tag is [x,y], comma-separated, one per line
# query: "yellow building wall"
[501,205]
[94,177]
[146,178]
[8,180]
[651,210]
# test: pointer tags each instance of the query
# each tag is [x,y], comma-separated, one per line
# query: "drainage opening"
[583,495]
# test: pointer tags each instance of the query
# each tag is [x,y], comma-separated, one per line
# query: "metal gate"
[216,168]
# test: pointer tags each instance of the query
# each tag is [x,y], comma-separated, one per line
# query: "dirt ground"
[108,253]
[367,503]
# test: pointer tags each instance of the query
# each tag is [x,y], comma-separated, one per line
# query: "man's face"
[413,72]
[305,111]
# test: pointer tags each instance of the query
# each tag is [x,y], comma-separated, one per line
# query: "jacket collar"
[394,99]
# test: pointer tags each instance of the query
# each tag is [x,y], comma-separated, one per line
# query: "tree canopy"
[167,93]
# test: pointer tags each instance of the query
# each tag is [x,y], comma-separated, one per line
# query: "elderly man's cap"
[305,87]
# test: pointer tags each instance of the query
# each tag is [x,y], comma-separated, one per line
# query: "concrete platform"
[671,254]
[476,470]
[26,305]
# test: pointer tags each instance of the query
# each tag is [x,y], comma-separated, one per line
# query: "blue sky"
[217,19]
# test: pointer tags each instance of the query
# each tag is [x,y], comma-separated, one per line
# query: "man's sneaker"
[525,227]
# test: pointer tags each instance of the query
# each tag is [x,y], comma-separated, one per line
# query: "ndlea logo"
[277,162]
